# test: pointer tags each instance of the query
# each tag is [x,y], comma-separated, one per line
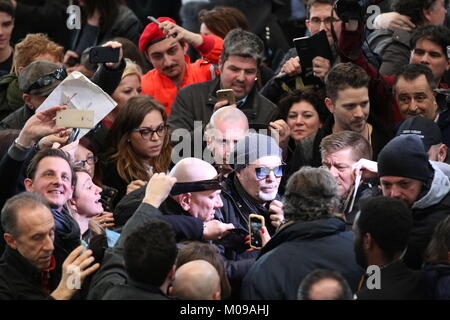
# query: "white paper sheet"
[79,92]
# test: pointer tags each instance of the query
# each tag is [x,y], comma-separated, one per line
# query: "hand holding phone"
[255,223]
[104,55]
[74,118]
[226,94]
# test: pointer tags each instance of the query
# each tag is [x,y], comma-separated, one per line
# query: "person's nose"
[219,203]
[395,192]
[167,61]
[334,172]
[48,245]
[425,59]
[299,121]
[358,113]
[240,76]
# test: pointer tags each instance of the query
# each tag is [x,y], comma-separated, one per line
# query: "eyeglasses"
[89,160]
[58,74]
[264,172]
[147,133]
[327,21]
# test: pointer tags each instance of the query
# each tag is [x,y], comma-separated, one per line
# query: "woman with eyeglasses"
[139,145]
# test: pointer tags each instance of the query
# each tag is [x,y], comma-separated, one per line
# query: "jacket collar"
[302,230]
[16,261]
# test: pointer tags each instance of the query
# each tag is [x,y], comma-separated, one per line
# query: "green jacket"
[10,95]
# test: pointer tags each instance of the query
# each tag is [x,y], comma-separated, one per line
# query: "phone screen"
[255,226]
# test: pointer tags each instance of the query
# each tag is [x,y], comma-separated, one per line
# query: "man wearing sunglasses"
[253,186]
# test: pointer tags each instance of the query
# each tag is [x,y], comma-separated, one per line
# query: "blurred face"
[87,196]
[35,235]
[167,56]
[320,19]
[203,204]
[340,165]
[205,31]
[32,101]
[415,97]
[53,181]
[358,246]
[223,137]
[436,14]
[239,74]
[303,120]
[146,143]
[86,157]
[430,54]
[6,27]
[351,109]
[264,189]
[405,189]
[129,87]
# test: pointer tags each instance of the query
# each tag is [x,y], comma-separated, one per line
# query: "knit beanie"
[251,148]
[405,156]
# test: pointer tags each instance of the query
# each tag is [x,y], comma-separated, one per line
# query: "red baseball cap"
[152,34]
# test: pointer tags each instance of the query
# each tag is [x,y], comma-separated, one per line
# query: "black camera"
[351,9]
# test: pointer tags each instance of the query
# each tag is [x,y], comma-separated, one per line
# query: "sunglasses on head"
[264,172]
[58,74]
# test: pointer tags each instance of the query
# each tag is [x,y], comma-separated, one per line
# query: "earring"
[256,78]
[128,140]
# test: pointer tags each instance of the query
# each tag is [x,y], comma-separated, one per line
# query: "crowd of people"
[215,121]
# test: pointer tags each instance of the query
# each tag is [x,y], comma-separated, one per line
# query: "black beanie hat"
[405,156]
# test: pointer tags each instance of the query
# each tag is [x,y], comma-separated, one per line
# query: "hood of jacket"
[440,187]
[304,230]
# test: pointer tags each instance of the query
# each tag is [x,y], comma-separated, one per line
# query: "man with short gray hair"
[242,54]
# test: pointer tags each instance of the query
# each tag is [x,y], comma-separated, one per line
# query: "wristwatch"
[21,146]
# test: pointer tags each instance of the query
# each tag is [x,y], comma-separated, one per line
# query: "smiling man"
[242,54]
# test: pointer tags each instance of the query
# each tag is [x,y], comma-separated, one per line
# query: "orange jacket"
[164,90]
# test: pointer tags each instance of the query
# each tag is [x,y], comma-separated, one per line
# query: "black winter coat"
[19,280]
[294,252]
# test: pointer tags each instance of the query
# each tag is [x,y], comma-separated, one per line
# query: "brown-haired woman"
[139,145]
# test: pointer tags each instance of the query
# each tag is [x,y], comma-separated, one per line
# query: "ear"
[28,184]
[185,47]
[220,65]
[367,242]
[171,274]
[307,24]
[20,69]
[329,104]
[442,154]
[185,201]
[72,203]
[426,15]
[9,239]
[27,99]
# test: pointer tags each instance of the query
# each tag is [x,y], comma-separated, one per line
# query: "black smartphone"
[255,224]
[235,239]
[72,61]
[103,55]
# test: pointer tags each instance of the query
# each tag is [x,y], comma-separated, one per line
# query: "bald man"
[200,204]
[196,280]
[226,127]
